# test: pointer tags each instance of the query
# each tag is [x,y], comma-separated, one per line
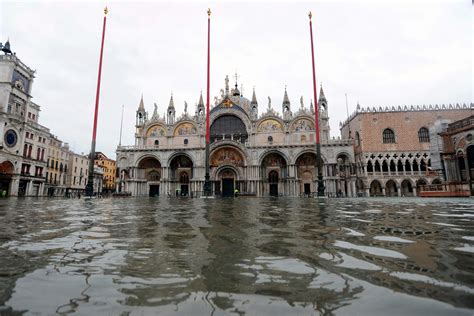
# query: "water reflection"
[237,256]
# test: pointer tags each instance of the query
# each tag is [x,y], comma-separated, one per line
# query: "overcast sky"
[395,53]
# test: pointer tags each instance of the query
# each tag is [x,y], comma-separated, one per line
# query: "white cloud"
[377,53]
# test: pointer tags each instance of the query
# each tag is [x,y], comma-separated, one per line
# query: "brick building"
[392,146]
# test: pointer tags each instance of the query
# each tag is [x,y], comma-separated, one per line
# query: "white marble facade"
[261,155]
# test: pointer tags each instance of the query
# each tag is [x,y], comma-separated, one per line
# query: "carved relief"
[270,125]
[185,129]
[227,156]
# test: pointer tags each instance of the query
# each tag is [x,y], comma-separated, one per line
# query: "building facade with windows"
[57,174]
[262,154]
[109,172]
[393,147]
[77,174]
[23,141]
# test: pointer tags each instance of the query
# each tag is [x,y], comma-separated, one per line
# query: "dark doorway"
[154,190]
[5,186]
[184,190]
[22,187]
[273,189]
[307,188]
[227,187]
[273,180]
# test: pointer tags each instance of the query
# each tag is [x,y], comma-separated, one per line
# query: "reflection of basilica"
[262,155]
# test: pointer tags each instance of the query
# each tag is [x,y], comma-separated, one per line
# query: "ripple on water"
[290,265]
[393,239]
[370,250]
[352,232]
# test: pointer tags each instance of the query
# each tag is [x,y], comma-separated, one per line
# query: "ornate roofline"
[405,108]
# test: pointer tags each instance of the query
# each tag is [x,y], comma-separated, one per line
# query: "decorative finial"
[310,15]
[209,12]
[106,11]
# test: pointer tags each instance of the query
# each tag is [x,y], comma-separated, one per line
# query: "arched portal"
[149,168]
[273,182]
[391,188]
[307,172]
[228,127]
[275,162]
[406,188]
[231,158]
[227,181]
[6,171]
[375,188]
[181,171]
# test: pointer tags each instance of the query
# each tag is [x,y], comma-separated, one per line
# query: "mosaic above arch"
[270,125]
[227,156]
[185,129]
[302,125]
[156,130]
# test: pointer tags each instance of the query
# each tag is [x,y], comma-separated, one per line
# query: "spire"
[201,101]
[254,97]
[141,106]
[171,105]
[321,93]
[286,100]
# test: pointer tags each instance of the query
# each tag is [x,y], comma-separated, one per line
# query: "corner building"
[264,154]
[397,148]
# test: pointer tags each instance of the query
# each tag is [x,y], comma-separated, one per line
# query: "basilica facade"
[259,154]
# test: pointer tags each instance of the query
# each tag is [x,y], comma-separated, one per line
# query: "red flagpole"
[208,73]
[320,186]
[207,182]
[316,111]
[90,178]
[96,113]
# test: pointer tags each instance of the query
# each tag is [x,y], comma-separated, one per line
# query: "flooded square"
[237,256]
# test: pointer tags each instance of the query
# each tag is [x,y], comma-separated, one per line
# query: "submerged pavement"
[252,256]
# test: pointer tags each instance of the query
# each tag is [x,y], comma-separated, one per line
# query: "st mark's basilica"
[253,149]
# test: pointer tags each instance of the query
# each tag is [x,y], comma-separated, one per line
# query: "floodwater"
[241,256]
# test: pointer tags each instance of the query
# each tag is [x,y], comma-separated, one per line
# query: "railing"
[468,121]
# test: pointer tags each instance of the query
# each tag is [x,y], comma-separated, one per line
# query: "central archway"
[226,182]
[274,171]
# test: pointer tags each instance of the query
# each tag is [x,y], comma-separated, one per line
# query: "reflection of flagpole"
[316,117]
[207,182]
[90,178]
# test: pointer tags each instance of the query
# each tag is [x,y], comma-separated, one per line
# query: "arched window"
[270,139]
[186,141]
[388,136]
[423,135]
[157,142]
